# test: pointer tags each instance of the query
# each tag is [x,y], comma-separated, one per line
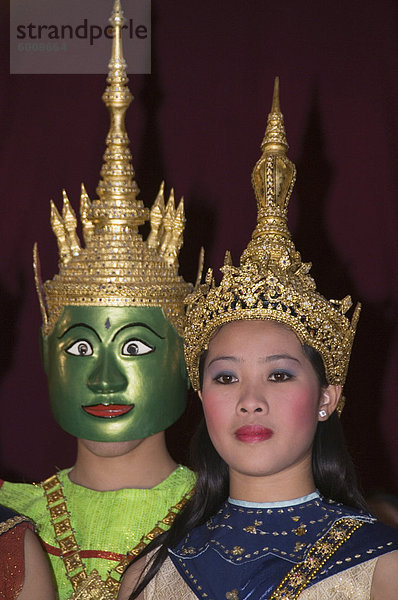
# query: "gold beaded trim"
[12,522]
[301,574]
[91,586]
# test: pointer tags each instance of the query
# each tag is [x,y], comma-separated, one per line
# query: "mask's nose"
[106,377]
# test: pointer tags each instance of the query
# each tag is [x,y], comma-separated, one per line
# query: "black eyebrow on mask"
[138,325]
[79,325]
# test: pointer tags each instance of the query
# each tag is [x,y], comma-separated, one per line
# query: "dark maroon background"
[198,122]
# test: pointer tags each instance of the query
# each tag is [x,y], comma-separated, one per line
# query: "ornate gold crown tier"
[116,267]
[271,281]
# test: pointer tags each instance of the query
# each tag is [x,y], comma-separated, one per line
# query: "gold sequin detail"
[250,529]
[301,530]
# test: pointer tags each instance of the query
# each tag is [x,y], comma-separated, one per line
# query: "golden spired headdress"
[116,267]
[271,282]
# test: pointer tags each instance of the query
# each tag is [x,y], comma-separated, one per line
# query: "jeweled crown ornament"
[116,267]
[271,281]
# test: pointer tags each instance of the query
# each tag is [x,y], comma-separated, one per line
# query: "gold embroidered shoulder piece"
[300,576]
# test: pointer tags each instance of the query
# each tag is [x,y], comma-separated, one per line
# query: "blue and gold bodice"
[277,550]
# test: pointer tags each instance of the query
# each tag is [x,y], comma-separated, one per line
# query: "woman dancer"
[277,514]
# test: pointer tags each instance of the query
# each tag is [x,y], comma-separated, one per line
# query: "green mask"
[115,374]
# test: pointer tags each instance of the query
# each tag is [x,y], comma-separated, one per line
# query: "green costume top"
[106,525]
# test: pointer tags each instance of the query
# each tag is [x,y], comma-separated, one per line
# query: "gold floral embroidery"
[299,546]
[250,529]
[301,529]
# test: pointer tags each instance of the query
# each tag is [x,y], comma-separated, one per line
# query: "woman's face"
[261,398]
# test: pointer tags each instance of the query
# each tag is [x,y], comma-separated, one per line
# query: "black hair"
[332,467]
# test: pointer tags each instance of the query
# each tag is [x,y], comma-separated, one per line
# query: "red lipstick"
[108,411]
[253,433]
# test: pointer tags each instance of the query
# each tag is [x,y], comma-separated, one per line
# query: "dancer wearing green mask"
[113,354]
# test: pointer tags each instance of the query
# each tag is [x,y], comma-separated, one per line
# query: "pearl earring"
[322,413]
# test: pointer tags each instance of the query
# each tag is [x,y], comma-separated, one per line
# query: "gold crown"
[116,267]
[271,282]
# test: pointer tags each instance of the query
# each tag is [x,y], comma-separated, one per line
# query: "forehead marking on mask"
[107,323]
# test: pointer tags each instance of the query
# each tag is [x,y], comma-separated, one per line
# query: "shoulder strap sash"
[91,586]
[300,576]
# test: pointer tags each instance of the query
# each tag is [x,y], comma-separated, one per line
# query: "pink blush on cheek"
[303,410]
[216,413]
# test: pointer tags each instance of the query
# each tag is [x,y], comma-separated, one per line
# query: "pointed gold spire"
[157,216]
[70,224]
[65,230]
[116,267]
[273,179]
[275,135]
[168,222]
[85,208]
[117,190]
[60,233]
[201,262]
[173,238]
